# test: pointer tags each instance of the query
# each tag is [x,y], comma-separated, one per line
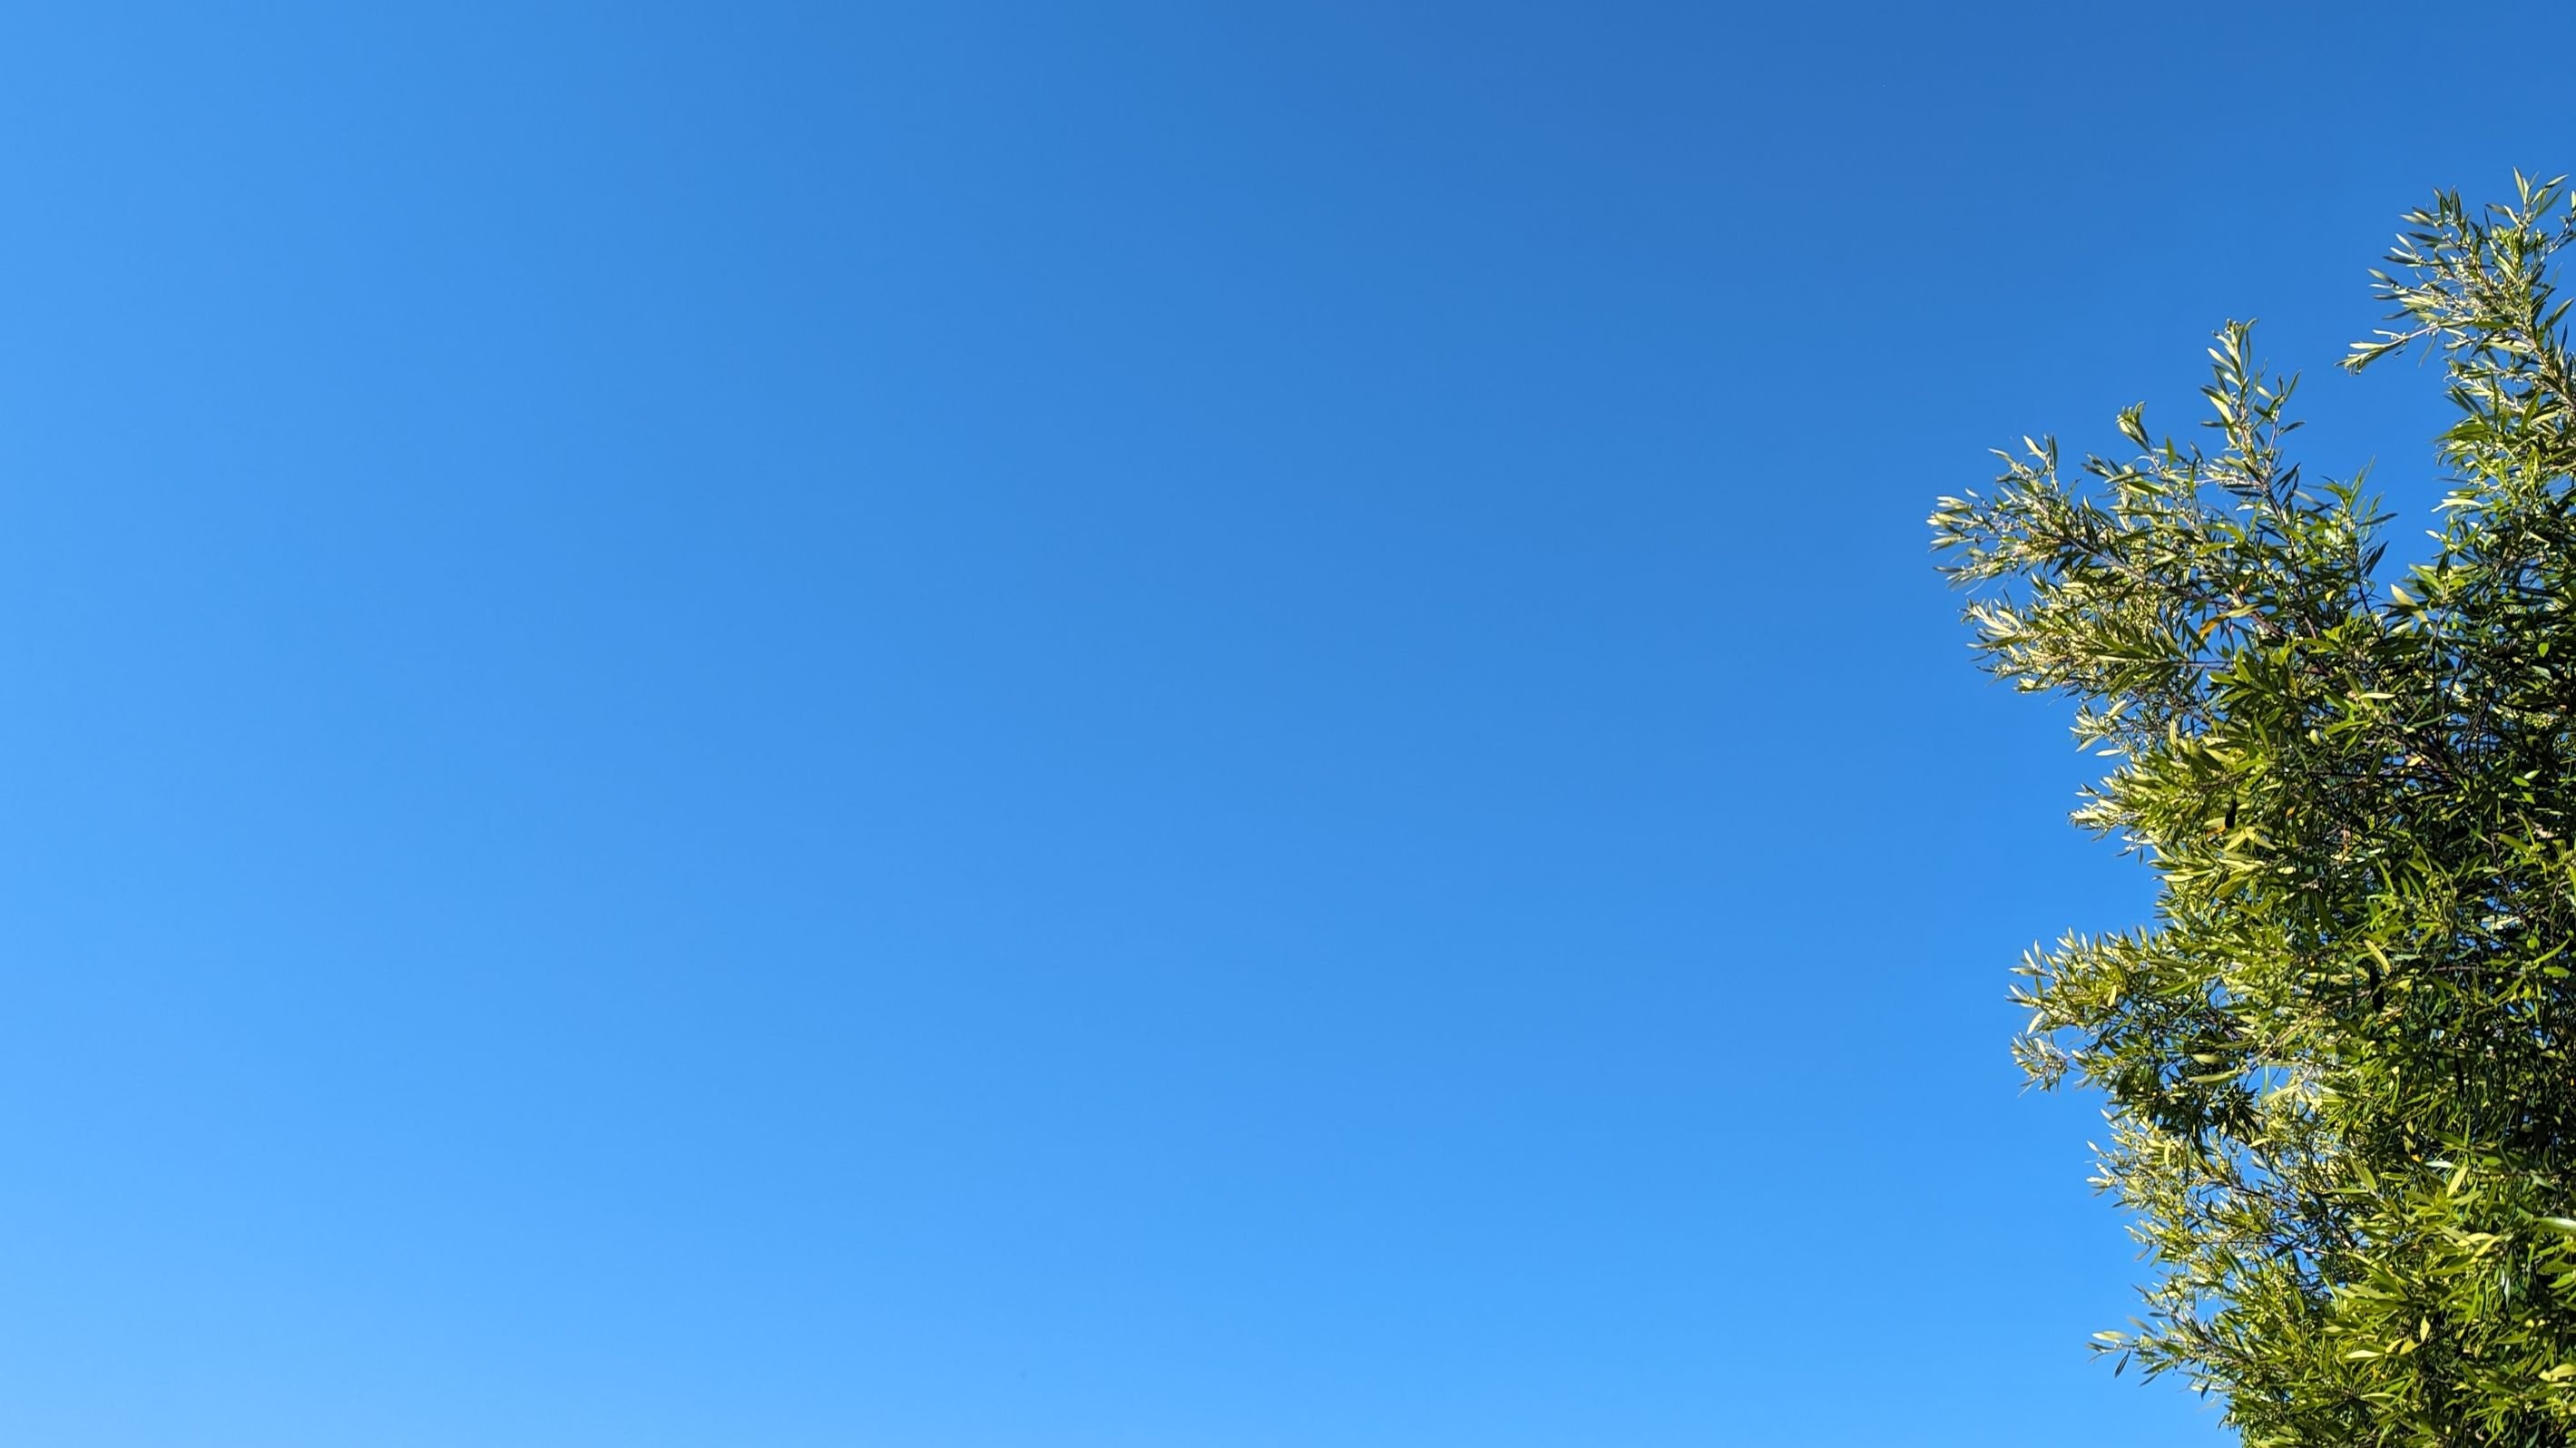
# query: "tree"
[2340,1063]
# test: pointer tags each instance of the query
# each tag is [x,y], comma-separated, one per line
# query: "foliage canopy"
[2341,1060]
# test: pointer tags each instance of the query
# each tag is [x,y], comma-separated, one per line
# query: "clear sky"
[1150,726]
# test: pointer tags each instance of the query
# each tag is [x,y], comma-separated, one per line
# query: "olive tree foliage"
[2340,1063]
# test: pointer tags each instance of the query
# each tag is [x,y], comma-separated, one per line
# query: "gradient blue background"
[949,725]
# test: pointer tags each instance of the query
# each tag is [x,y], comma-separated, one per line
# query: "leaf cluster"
[2340,1061]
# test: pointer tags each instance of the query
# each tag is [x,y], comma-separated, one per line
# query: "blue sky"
[953,726]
